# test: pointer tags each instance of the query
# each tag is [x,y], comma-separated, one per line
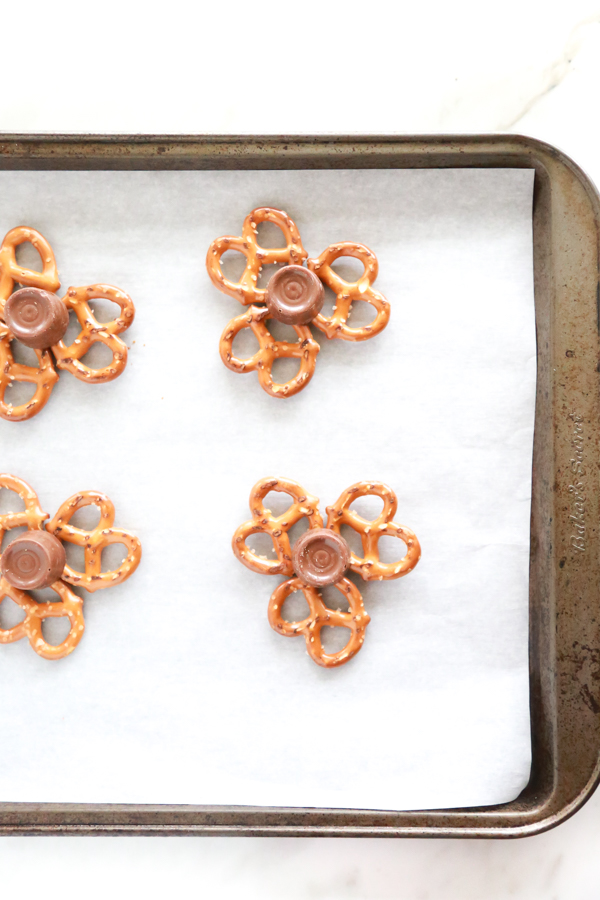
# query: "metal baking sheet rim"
[565,553]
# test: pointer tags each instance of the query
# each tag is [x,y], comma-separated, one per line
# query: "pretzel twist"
[11,272]
[335,326]
[305,349]
[94,541]
[32,517]
[320,616]
[31,627]
[93,332]
[263,520]
[369,565]
[245,290]
[44,377]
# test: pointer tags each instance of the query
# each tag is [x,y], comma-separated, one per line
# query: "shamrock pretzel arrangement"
[37,559]
[321,557]
[294,296]
[38,318]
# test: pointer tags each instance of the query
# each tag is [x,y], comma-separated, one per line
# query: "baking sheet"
[180,692]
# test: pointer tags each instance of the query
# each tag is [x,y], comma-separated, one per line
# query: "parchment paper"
[179,691]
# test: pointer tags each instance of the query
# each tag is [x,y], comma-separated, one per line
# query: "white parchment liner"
[180,692]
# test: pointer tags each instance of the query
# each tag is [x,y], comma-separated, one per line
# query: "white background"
[532,67]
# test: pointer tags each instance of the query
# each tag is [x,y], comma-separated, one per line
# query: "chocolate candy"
[294,295]
[37,318]
[33,560]
[320,557]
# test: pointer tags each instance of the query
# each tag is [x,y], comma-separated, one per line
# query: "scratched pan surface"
[565,558]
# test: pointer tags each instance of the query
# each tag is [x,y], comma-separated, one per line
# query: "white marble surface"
[525,66]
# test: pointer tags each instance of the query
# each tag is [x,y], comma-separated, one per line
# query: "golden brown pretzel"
[31,627]
[245,290]
[305,349]
[370,531]
[44,377]
[320,616]
[94,541]
[11,271]
[316,556]
[32,517]
[335,326]
[93,332]
[263,520]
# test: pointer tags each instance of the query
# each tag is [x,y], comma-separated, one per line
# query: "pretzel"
[335,326]
[369,566]
[318,559]
[245,290]
[44,377]
[94,540]
[11,272]
[93,332]
[305,349]
[32,517]
[320,616]
[263,520]
[31,627]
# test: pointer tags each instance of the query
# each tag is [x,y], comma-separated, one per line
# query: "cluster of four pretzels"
[35,315]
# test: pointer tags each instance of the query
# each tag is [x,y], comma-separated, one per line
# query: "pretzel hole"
[44,595]
[112,557]
[55,630]
[266,273]
[281,332]
[233,263]
[22,355]
[104,310]
[285,370]
[361,313]
[10,535]
[348,268]
[99,356]
[369,506]
[298,529]
[353,540]
[28,257]
[245,344]
[277,502]
[87,517]
[73,329]
[334,638]
[20,392]
[269,236]
[261,545]
[10,502]
[11,613]
[391,549]
[75,556]
[334,599]
[295,608]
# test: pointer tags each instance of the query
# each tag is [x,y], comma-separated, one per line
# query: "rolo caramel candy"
[36,317]
[294,295]
[320,557]
[33,560]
